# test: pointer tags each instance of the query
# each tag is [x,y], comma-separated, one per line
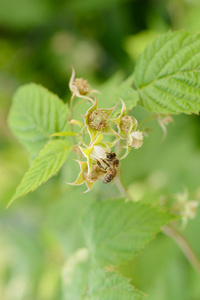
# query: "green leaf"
[65,133]
[104,285]
[48,162]
[116,230]
[167,74]
[84,281]
[35,114]
[116,88]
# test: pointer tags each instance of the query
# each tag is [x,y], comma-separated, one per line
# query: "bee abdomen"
[109,177]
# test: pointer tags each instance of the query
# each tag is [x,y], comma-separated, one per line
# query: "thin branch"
[122,189]
[184,245]
[146,120]
[77,104]
[70,117]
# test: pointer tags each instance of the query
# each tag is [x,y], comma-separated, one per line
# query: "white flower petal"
[98,152]
[137,135]
[135,139]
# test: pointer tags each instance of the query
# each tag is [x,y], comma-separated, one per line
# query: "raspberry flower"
[80,87]
[89,179]
[90,170]
[97,120]
[95,152]
[124,122]
[135,139]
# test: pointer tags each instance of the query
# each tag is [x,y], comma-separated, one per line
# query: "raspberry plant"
[165,82]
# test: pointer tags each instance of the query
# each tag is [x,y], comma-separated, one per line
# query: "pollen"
[94,175]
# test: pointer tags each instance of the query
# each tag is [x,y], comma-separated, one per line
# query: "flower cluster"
[101,161]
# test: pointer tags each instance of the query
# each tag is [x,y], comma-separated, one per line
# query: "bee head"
[110,155]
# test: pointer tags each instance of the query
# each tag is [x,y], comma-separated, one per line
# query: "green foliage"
[75,275]
[115,230]
[48,162]
[104,285]
[36,113]
[79,7]
[32,12]
[166,77]
[82,281]
[167,74]
[65,133]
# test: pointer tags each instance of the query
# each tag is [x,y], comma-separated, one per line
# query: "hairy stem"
[184,245]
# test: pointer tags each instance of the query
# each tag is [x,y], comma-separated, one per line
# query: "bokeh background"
[39,41]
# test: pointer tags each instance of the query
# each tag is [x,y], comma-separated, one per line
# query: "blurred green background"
[39,41]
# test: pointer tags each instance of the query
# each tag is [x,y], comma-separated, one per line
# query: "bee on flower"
[100,162]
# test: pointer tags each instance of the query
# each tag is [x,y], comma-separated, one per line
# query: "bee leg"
[105,162]
[100,165]
[102,171]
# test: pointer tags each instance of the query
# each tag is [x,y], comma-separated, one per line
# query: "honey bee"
[111,162]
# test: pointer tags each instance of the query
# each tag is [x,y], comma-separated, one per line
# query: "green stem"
[70,116]
[81,141]
[184,246]
[80,102]
[146,120]
[122,190]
